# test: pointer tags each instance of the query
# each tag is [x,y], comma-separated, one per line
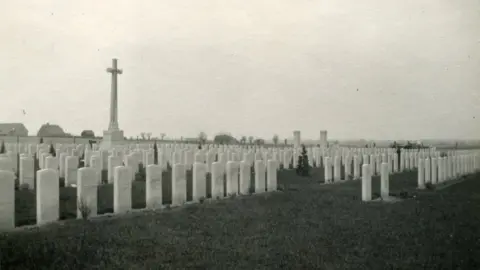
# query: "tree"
[259,141]
[149,135]
[162,135]
[224,139]
[250,139]
[303,167]
[41,140]
[202,137]
[243,140]
[275,139]
[155,153]
[2,148]
[87,134]
[52,150]
[142,135]
[285,141]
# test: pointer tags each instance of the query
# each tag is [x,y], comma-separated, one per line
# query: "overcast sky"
[378,69]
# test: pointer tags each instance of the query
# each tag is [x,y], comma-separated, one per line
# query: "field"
[304,225]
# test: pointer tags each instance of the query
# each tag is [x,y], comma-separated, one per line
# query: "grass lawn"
[304,226]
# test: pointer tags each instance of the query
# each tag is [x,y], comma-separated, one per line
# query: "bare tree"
[149,135]
[142,135]
[243,140]
[162,135]
[250,139]
[275,139]
[202,137]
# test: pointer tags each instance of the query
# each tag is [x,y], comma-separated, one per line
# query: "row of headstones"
[68,165]
[47,189]
[440,169]
[432,171]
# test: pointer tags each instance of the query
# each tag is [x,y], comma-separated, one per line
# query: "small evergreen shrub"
[52,150]
[155,153]
[303,168]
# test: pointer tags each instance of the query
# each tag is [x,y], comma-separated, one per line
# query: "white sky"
[247,67]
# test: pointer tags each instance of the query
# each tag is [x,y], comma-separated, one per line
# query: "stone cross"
[113,98]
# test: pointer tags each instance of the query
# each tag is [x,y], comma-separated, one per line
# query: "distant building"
[49,130]
[13,129]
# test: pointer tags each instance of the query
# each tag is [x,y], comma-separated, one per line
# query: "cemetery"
[120,204]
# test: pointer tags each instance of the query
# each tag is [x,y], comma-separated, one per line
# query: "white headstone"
[217,180]
[259,176]
[272,166]
[384,181]
[87,184]
[179,184]
[71,167]
[245,175]
[26,174]
[7,200]
[48,196]
[199,182]
[122,190]
[153,186]
[232,171]
[366,183]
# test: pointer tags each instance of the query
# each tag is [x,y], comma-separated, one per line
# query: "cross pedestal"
[113,136]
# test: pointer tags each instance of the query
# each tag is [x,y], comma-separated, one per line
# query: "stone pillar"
[296,139]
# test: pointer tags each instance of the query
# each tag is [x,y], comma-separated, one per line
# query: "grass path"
[305,226]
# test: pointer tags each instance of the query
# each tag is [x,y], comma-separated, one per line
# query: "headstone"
[71,167]
[48,196]
[122,190]
[421,174]
[87,192]
[272,166]
[179,184]
[384,181]
[328,170]
[153,186]
[217,180]
[112,163]
[259,176]
[26,176]
[366,183]
[96,165]
[245,175]
[199,182]
[51,163]
[7,200]
[232,171]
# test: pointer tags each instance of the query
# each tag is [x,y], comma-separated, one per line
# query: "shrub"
[303,168]
[2,148]
[155,153]
[52,150]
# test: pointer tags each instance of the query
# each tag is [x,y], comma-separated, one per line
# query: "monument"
[296,139]
[323,138]
[113,136]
